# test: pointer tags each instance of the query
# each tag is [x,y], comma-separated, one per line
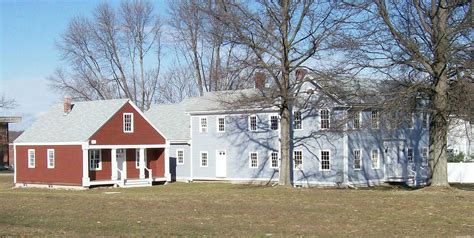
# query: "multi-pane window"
[50,153]
[221,124]
[298,158]
[180,156]
[374,155]
[253,160]
[274,159]
[128,122]
[410,155]
[425,120]
[297,121]
[203,124]
[204,159]
[374,120]
[357,160]
[324,118]
[424,156]
[325,161]
[253,123]
[95,160]
[274,122]
[31,158]
[356,120]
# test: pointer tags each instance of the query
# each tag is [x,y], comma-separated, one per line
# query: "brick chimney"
[259,80]
[67,104]
[300,73]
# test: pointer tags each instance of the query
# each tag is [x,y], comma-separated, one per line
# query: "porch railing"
[150,174]
[122,179]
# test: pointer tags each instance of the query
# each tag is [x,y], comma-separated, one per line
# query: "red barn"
[84,144]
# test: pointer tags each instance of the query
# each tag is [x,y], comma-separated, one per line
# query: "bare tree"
[175,85]
[282,36]
[424,47]
[7,103]
[116,53]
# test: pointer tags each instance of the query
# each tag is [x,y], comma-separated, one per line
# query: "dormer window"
[128,122]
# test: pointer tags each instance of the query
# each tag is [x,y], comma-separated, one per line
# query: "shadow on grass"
[463,186]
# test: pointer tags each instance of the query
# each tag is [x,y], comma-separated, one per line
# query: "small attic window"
[128,122]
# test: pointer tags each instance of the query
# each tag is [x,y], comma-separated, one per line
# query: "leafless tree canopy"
[7,103]
[113,54]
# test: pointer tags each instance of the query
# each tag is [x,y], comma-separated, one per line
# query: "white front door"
[121,163]
[221,163]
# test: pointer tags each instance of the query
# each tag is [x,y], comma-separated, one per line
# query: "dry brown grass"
[234,210]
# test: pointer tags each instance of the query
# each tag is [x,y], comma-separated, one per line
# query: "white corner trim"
[14,163]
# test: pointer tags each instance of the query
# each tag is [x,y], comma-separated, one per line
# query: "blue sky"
[29,31]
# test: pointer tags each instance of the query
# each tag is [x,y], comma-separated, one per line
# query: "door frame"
[219,174]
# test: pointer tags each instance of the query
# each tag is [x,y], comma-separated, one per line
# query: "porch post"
[85,168]
[142,163]
[113,159]
[167,164]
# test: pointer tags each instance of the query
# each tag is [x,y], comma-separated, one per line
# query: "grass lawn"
[216,209]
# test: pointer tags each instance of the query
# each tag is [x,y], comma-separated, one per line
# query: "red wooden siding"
[106,172]
[132,171]
[156,161]
[67,168]
[111,133]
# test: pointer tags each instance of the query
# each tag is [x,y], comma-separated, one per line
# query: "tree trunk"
[285,166]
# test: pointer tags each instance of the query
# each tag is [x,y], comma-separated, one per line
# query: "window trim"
[177,156]
[277,158]
[412,155]
[425,120]
[377,116]
[217,124]
[137,158]
[200,159]
[47,159]
[31,165]
[300,121]
[201,125]
[100,160]
[300,166]
[359,118]
[360,160]
[270,122]
[131,122]
[424,157]
[250,122]
[321,119]
[250,159]
[321,160]
[372,160]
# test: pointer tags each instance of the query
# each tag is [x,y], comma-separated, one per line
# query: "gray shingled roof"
[79,125]
[171,119]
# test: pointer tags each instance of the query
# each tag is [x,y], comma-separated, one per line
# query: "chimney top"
[67,104]
[259,80]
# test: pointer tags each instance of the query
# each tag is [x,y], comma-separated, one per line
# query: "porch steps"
[129,183]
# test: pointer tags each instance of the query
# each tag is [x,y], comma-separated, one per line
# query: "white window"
[274,160]
[137,158]
[324,119]
[325,160]
[128,122]
[95,160]
[220,124]
[253,160]
[297,121]
[356,120]
[31,158]
[374,120]
[204,158]
[375,159]
[424,156]
[410,157]
[50,153]
[203,124]
[298,158]
[357,159]
[253,123]
[274,122]
[180,156]
[425,120]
